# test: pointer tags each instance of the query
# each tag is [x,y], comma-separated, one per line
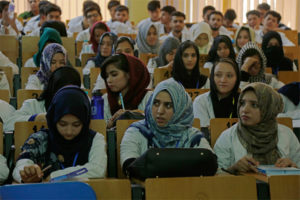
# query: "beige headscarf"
[198,29]
[261,140]
[251,33]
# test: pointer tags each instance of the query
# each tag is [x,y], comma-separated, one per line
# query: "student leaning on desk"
[257,139]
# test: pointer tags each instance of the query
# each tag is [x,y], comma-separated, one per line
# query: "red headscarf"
[92,37]
[139,80]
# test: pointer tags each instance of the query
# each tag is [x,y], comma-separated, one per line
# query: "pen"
[122,102]
[46,168]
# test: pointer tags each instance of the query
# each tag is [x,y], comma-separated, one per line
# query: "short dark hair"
[121,8]
[207,8]
[253,12]
[87,4]
[168,9]
[230,14]
[178,14]
[153,5]
[57,25]
[112,4]
[215,13]
[274,14]
[3,4]
[263,6]
[43,7]
[92,8]
[52,8]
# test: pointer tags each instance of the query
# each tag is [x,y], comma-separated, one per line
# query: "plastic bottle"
[97,105]
[11,9]
[85,46]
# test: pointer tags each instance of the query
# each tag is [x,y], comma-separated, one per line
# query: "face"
[215,22]
[243,38]
[125,47]
[227,23]
[165,17]
[93,17]
[69,126]
[162,109]
[155,15]
[170,56]
[249,111]
[55,15]
[270,22]
[202,40]
[58,60]
[106,46]
[225,78]
[98,33]
[223,50]
[177,23]
[152,36]
[205,17]
[189,58]
[112,12]
[117,80]
[122,16]
[253,21]
[34,5]
[256,67]
[262,13]
[273,42]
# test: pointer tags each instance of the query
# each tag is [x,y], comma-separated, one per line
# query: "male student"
[165,19]
[34,10]
[8,26]
[254,21]
[112,5]
[122,23]
[154,13]
[215,20]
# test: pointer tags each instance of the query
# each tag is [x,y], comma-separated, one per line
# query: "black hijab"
[213,55]
[292,92]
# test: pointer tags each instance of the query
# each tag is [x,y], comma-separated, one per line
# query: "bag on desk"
[174,162]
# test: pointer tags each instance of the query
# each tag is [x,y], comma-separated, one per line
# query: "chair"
[13,51]
[79,69]
[25,73]
[95,71]
[284,187]
[132,36]
[268,70]
[292,35]
[288,76]
[111,188]
[161,74]
[4,95]
[99,125]
[23,95]
[291,52]
[215,187]
[78,46]
[204,71]
[1,138]
[69,44]
[202,60]
[195,92]
[62,190]
[85,57]
[8,71]
[144,57]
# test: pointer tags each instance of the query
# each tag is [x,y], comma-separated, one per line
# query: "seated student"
[229,18]
[202,36]
[125,76]
[153,8]
[168,122]
[221,101]
[34,10]
[186,67]
[123,45]
[290,94]
[215,21]
[252,63]
[105,50]
[273,49]
[35,109]
[49,35]
[5,62]
[4,170]
[221,48]
[57,25]
[111,6]
[6,111]
[253,20]
[93,15]
[257,139]
[8,26]
[165,19]
[242,36]
[53,57]
[147,39]
[67,145]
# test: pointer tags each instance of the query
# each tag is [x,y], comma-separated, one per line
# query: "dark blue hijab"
[291,91]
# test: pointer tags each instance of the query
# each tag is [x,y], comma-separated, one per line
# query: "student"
[67,145]
[206,12]
[4,171]
[111,6]
[253,20]
[6,111]
[49,36]
[128,77]
[221,100]
[5,62]
[215,20]
[252,63]
[273,49]
[105,50]
[168,122]
[35,109]
[53,57]
[34,10]
[147,39]
[8,26]
[165,19]
[221,48]
[229,18]
[257,139]
[153,8]
[243,35]
[263,8]
[186,67]
[57,25]
[202,36]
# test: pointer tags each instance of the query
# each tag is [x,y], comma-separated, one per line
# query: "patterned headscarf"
[141,39]
[167,46]
[261,139]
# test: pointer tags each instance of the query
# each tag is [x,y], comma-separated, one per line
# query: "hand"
[41,117]
[249,62]
[115,116]
[285,162]
[245,164]
[31,174]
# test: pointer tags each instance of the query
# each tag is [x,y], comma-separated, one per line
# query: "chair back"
[4,95]
[284,187]
[8,71]
[23,95]
[25,73]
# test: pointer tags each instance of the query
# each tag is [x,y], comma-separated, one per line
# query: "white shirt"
[11,31]
[5,62]
[289,109]
[285,41]
[203,109]
[6,111]
[30,63]
[32,24]
[118,27]
[276,84]
[4,171]
[34,83]
[84,35]
[186,35]
[75,24]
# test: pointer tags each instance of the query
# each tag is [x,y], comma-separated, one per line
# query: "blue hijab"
[179,131]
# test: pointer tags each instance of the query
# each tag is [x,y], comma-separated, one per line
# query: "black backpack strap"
[196,140]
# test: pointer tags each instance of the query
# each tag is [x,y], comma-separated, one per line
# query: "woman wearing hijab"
[67,145]
[105,50]
[125,76]
[168,124]
[273,49]
[252,63]
[243,35]
[186,67]
[257,139]
[147,39]
[53,57]
[35,109]
[202,36]
[49,35]
[221,101]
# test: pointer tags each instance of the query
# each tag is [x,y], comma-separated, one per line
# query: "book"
[70,176]
[270,170]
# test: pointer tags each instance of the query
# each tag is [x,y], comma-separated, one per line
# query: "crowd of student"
[239,88]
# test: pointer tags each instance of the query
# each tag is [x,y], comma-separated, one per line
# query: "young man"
[206,12]
[229,18]
[166,17]
[112,5]
[7,26]
[215,20]
[253,18]
[270,23]
[154,12]
[122,23]
[34,10]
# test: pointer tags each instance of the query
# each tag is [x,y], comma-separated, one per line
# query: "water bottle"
[11,9]
[85,46]
[97,105]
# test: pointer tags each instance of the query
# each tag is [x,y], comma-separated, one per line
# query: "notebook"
[270,170]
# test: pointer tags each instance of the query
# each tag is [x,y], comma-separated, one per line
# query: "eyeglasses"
[93,15]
